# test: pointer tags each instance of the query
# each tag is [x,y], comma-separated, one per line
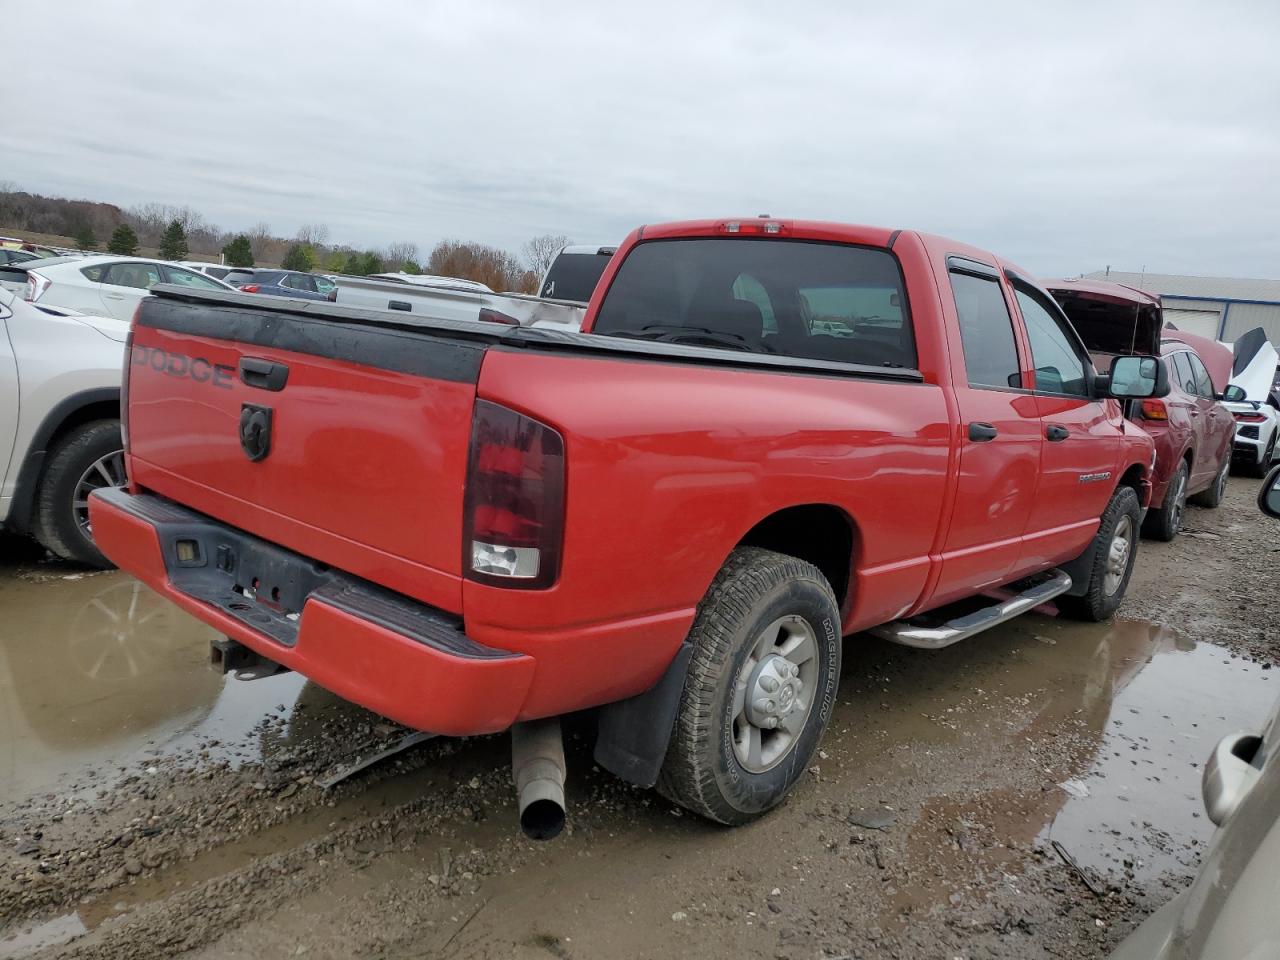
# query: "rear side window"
[986,331]
[1058,360]
[795,298]
[142,276]
[239,276]
[93,274]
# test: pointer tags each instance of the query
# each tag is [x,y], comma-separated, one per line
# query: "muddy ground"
[148,807]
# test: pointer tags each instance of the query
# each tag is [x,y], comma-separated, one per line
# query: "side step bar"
[934,637]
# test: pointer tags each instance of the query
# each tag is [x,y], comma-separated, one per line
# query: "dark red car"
[1192,430]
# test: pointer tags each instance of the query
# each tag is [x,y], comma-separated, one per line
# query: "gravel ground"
[926,828]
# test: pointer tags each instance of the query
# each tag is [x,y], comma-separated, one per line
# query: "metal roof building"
[1219,307]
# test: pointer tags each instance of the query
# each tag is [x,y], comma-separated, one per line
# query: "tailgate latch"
[255,431]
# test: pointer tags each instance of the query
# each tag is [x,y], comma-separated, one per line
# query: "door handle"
[263,374]
[982,432]
[114,296]
[1056,433]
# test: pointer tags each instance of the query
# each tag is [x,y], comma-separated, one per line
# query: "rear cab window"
[795,298]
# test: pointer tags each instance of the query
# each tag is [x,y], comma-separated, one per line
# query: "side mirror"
[1136,378]
[1234,394]
[1269,494]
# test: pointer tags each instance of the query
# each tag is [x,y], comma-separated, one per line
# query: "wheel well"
[1133,478]
[1190,457]
[102,410]
[820,533]
[72,412]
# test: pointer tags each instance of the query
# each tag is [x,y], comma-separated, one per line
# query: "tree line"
[179,232]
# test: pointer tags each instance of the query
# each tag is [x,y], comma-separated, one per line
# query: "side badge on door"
[255,431]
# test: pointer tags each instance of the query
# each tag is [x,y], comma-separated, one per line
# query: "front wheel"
[1214,496]
[1164,522]
[1115,547]
[760,688]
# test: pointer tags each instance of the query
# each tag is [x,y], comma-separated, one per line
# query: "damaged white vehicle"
[1250,400]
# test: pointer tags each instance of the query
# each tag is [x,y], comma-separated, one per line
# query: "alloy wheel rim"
[1118,553]
[773,693]
[107,471]
[1179,502]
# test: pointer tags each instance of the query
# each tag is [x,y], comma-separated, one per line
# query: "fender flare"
[24,492]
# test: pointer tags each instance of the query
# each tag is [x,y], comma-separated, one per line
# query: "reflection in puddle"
[98,670]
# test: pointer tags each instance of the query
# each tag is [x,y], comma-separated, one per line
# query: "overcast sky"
[1130,135]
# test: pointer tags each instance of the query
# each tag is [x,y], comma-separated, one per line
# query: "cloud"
[1063,138]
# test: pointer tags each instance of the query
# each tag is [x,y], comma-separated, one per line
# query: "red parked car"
[1192,430]
[771,434]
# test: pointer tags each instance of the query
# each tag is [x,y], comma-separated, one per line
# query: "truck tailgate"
[367,431]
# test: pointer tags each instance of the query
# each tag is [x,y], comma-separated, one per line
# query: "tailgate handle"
[404,305]
[263,374]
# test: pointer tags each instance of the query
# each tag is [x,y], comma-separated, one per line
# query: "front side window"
[1183,375]
[795,298]
[189,278]
[1204,382]
[141,276]
[1054,354]
[986,331]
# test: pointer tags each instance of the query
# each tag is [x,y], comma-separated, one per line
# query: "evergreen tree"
[370,262]
[123,242]
[239,252]
[85,240]
[354,267]
[299,258]
[411,266]
[173,244]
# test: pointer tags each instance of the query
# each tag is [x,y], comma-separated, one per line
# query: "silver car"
[1232,910]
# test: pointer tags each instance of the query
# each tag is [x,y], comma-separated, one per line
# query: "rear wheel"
[1114,549]
[1260,467]
[1213,497]
[760,688]
[1165,522]
[88,458]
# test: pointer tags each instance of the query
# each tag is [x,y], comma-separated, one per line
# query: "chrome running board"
[936,636]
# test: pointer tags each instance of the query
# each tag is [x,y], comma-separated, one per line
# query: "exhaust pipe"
[537,764]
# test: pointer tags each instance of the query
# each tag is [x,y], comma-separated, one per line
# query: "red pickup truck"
[771,434]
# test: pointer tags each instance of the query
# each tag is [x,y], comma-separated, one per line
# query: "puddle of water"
[97,672]
[1100,731]
[56,931]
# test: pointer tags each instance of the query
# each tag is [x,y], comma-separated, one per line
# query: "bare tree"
[259,237]
[400,253]
[540,251]
[313,234]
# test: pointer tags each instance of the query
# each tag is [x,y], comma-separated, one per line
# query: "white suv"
[107,285]
[59,421]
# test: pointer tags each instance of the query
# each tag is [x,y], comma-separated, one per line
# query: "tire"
[1259,468]
[61,523]
[1217,491]
[1101,598]
[725,762]
[1163,523]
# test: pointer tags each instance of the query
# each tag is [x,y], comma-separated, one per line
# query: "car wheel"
[1115,548]
[760,688]
[1217,491]
[1163,523]
[1260,466]
[88,458]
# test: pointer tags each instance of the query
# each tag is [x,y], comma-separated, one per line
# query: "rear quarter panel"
[670,465]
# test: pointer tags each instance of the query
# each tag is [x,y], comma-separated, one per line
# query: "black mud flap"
[632,737]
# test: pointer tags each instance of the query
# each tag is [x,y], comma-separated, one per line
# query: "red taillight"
[249,288]
[1154,410]
[497,316]
[1250,417]
[36,286]
[514,503]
